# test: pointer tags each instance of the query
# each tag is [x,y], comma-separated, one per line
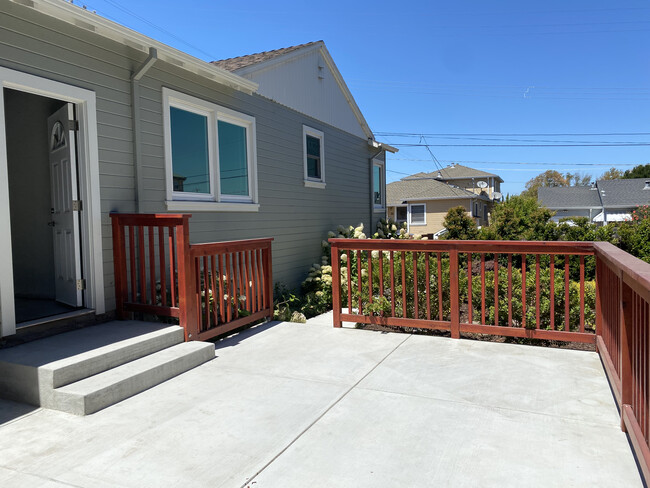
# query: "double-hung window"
[314,159]
[378,185]
[417,214]
[210,156]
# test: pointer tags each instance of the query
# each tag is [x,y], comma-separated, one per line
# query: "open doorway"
[45,239]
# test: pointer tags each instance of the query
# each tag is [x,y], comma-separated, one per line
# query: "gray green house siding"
[297,217]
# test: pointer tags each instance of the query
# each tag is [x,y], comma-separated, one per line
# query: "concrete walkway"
[306,405]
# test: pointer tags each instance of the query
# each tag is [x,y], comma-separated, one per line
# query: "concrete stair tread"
[109,387]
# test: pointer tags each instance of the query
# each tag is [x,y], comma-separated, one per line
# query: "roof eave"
[92,22]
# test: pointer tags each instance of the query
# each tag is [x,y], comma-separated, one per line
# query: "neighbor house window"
[401,214]
[417,214]
[476,214]
[378,184]
[485,213]
[210,155]
[313,141]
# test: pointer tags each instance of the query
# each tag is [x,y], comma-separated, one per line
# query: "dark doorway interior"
[30,204]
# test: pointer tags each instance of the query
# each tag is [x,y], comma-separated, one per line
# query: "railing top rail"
[210,248]
[633,270]
[150,219]
[505,247]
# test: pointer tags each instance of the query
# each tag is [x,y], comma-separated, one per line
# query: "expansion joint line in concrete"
[336,402]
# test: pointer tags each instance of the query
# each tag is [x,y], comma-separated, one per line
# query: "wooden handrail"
[158,271]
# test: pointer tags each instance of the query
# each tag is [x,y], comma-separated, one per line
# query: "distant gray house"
[604,201]
[267,145]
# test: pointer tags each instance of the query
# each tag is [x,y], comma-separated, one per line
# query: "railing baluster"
[392,284]
[369,277]
[132,264]
[222,311]
[496,289]
[404,284]
[582,293]
[142,259]
[349,282]
[229,286]
[173,280]
[440,301]
[213,288]
[470,297]
[523,290]
[381,274]
[509,290]
[537,293]
[206,291]
[552,292]
[416,313]
[360,283]
[567,325]
[427,272]
[152,265]
[483,288]
[163,272]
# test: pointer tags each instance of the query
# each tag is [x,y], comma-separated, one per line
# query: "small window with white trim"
[418,214]
[210,155]
[313,141]
[401,214]
[378,184]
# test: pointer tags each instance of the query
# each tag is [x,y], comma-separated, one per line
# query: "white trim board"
[91,232]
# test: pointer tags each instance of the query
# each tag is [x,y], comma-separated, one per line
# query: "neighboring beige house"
[422,200]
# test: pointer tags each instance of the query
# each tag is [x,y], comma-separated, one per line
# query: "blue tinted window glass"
[233,159]
[190,155]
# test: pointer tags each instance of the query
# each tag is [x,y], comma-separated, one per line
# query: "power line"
[563,163]
[521,134]
[524,145]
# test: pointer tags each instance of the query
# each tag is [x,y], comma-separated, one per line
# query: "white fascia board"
[332,67]
[92,22]
[467,197]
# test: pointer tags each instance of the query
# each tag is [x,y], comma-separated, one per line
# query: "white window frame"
[313,182]
[215,200]
[382,206]
[410,213]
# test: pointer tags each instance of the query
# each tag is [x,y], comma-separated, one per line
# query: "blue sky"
[453,67]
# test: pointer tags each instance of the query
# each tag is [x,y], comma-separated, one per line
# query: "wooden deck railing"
[466,286]
[623,317]
[211,288]
[536,290]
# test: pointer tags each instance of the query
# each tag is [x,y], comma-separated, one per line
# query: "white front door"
[65,206]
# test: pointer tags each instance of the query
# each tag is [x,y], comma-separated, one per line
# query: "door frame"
[89,191]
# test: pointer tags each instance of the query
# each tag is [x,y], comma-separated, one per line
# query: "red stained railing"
[487,287]
[623,298]
[211,288]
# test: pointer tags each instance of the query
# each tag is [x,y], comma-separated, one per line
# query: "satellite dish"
[496,195]
[481,184]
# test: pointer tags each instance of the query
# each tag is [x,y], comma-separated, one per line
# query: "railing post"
[599,305]
[188,313]
[119,266]
[268,267]
[454,298]
[626,346]
[336,285]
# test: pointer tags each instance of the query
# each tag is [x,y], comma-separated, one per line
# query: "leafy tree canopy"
[519,218]
[612,174]
[640,171]
[552,178]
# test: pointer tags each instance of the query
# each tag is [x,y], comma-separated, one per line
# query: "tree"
[460,225]
[612,174]
[640,171]
[552,178]
[520,218]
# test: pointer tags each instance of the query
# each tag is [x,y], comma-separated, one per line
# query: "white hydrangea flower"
[344,258]
[331,234]
[375,254]
[393,228]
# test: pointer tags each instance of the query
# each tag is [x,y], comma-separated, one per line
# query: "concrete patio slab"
[308,405]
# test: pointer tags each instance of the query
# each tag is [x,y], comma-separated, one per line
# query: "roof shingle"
[233,64]
[455,172]
[404,190]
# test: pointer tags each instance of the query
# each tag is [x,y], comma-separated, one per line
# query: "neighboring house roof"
[268,67]
[400,192]
[456,172]
[610,194]
[624,193]
[239,62]
[572,197]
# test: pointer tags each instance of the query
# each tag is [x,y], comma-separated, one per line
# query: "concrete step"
[96,392]
[30,372]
